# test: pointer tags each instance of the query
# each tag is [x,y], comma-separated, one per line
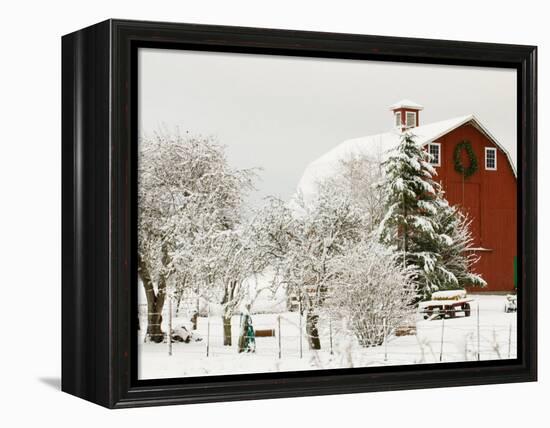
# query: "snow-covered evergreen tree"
[456,254]
[421,225]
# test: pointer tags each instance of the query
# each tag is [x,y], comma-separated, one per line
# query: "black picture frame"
[99,212]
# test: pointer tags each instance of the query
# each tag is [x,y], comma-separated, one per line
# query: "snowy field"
[436,341]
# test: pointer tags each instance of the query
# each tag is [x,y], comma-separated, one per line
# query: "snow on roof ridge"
[378,145]
[491,137]
[405,103]
[432,131]
[455,123]
[419,131]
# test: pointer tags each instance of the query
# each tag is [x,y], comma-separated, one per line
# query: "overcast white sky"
[280,113]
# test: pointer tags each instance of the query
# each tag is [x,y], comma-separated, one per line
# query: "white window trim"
[414,119]
[398,120]
[490,149]
[438,150]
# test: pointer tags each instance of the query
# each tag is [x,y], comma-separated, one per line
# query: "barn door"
[467,196]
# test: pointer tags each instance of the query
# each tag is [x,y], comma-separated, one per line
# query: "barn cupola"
[406,114]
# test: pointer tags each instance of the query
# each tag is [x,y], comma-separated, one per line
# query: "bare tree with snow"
[371,291]
[357,177]
[322,229]
[186,193]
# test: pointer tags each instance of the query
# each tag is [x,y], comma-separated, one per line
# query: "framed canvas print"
[252,213]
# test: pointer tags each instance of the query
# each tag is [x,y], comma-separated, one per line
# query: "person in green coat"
[247,339]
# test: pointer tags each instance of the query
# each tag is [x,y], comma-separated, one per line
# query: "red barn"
[488,192]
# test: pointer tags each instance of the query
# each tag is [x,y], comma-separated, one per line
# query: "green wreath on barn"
[472,167]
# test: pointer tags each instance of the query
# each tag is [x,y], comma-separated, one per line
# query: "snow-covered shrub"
[371,291]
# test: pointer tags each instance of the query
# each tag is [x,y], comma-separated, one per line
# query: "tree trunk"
[226,330]
[194,320]
[155,302]
[227,301]
[180,288]
[242,335]
[154,330]
[196,313]
[312,331]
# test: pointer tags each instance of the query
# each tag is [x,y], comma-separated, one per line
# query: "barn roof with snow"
[406,104]
[377,146]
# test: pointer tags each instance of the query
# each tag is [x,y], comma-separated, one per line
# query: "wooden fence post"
[208,333]
[385,340]
[330,333]
[170,325]
[478,335]
[510,340]
[442,335]
[279,335]
[301,329]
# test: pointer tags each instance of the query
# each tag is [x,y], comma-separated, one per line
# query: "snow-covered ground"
[497,340]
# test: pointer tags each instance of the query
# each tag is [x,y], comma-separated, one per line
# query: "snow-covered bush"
[371,291]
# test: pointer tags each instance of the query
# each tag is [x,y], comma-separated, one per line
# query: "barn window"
[398,119]
[434,149]
[490,158]
[410,119]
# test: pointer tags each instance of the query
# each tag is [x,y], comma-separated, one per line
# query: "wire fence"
[285,336]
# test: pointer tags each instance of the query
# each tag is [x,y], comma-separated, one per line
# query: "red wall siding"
[489,197]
